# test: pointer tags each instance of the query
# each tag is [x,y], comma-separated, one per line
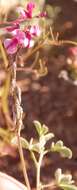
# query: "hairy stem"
[23,163]
[34,158]
[18,121]
[38,183]
[51,185]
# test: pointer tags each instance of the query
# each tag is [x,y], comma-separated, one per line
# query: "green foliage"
[63,150]
[44,137]
[64,181]
[24,142]
[41,129]
[52,11]
[38,146]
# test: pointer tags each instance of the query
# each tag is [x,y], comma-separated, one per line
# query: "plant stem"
[34,159]
[52,185]
[30,53]
[61,42]
[3,54]
[18,122]
[38,184]
[23,163]
[69,42]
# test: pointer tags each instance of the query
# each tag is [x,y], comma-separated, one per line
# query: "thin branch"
[3,54]
[34,159]
[52,185]
[52,35]
[68,42]
[38,183]
[25,57]
[18,121]
[23,162]
[35,61]
[61,42]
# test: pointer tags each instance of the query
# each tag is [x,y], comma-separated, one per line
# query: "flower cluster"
[21,38]
[25,37]
[28,13]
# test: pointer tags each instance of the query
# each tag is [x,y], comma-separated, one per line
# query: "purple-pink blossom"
[21,38]
[28,12]
[12,28]
[35,30]
[11,45]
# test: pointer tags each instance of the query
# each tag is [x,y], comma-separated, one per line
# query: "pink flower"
[26,13]
[35,30]
[11,45]
[28,43]
[21,12]
[25,37]
[30,40]
[20,38]
[19,35]
[30,6]
[12,28]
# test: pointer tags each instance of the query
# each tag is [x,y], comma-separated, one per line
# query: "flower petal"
[20,36]
[11,45]
[26,42]
[30,6]
[12,28]
[35,30]
[31,43]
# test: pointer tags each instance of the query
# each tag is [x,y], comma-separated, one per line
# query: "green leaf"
[44,129]
[48,136]
[44,136]
[66,152]
[37,125]
[63,150]
[63,178]
[52,11]
[49,10]
[40,146]
[41,129]
[68,187]
[64,181]
[24,142]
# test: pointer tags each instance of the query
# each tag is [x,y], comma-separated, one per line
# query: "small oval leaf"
[63,150]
